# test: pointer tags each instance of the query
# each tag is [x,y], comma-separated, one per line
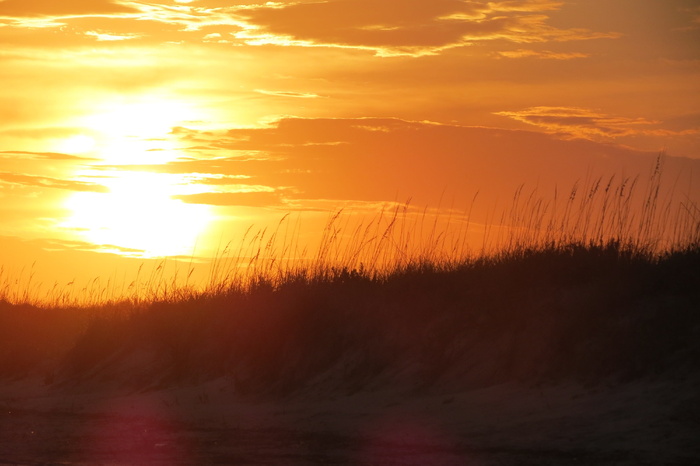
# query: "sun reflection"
[139,214]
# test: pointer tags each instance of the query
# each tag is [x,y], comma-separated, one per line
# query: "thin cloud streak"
[47,182]
[44,156]
[296,95]
[48,8]
[543,54]
[251,199]
[590,124]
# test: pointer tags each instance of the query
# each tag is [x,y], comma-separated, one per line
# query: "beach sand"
[643,422]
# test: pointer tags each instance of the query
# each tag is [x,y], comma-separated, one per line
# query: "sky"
[132,130]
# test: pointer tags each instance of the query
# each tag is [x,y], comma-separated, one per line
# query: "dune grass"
[648,218]
[605,280]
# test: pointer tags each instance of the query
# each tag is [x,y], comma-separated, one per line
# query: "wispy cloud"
[45,8]
[296,161]
[540,54]
[526,5]
[51,244]
[157,21]
[249,199]
[401,27]
[47,182]
[103,36]
[43,156]
[590,124]
[693,14]
[384,27]
[298,95]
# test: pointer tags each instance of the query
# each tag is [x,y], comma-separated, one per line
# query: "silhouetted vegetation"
[595,290]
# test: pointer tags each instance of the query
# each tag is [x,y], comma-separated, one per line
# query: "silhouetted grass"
[604,283]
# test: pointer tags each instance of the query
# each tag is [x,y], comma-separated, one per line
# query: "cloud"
[385,159]
[526,5]
[384,27]
[683,121]
[590,124]
[191,17]
[43,156]
[110,21]
[54,244]
[298,95]
[38,8]
[542,54]
[309,164]
[106,37]
[212,180]
[249,199]
[403,27]
[47,182]
[693,15]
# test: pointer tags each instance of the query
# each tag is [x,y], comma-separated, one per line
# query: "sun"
[129,142]
[138,216]
[77,144]
[143,116]
[134,129]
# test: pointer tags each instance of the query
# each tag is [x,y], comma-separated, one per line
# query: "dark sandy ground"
[644,422]
[570,356]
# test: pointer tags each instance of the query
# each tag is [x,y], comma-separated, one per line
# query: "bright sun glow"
[78,144]
[144,117]
[138,213]
[135,130]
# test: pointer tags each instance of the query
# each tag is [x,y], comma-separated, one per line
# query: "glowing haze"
[132,130]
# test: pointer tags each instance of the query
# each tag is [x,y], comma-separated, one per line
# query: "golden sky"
[166,127]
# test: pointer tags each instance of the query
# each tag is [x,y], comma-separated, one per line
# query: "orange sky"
[168,127]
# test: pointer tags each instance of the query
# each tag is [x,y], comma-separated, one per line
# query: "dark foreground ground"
[640,423]
[572,356]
